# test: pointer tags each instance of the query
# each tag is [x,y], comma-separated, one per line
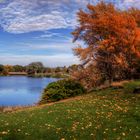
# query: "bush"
[61,89]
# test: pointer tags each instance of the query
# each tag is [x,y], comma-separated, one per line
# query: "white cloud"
[49,35]
[51,61]
[130,3]
[20,16]
[50,48]
[46,45]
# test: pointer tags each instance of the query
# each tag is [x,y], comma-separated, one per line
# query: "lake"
[21,90]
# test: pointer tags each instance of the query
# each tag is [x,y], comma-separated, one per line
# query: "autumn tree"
[112,40]
[89,77]
[8,68]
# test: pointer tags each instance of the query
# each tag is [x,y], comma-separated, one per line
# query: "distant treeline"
[37,69]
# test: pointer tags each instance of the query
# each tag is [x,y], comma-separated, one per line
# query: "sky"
[40,30]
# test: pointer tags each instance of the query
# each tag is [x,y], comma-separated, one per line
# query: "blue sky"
[40,30]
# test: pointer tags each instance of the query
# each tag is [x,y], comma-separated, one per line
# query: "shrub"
[61,89]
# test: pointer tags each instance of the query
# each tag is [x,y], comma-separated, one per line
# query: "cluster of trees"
[38,67]
[35,68]
[5,69]
[112,44]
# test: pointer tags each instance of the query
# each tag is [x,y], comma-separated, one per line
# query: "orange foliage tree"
[112,40]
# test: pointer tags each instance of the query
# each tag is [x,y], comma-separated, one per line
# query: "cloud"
[21,16]
[51,61]
[52,43]
[50,48]
[49,35]
[130,3]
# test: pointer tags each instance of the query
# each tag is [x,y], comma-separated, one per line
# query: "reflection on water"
[21,90]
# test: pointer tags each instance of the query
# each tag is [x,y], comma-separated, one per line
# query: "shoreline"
[9,109]
[40,75]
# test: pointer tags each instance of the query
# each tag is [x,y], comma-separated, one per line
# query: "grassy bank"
[108,114]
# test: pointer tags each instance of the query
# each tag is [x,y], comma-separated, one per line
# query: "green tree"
[1,68]
[35,67]
[57,69]
[18,68]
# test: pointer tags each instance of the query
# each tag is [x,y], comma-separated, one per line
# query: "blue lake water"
[21,90]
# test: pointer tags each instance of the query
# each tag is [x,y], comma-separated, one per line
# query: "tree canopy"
[112,40]
[35,67]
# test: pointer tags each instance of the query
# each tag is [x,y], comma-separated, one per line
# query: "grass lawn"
[110,114]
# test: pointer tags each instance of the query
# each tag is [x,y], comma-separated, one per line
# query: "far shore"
[49,75]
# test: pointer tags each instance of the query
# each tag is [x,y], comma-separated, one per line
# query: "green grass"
[104,115]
